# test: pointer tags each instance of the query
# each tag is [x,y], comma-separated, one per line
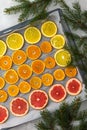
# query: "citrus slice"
[24,71]
[49,29]
[59,74]
[3,48]
[49,62]
[13,90]
[71,71]
[19,57]
[35,82]
[45,47]
[32,35]
[5,62]
[62,58]
[11,76]
[2,82]
[15,41]
[3,96]
[24,87]
[33,52]
[38,66]
[58,41]
[47,79]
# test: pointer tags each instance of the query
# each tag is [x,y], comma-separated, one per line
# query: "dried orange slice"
[47,79]
[5,62]
[49,62]
[3,96]
[13,90]
[38,66]
[35,82]
[71,71]
[3,48]
[59,74]
[24,71]
[19,57]
[24,87]
[2,82]
[45,47]
[33,52]
[11,76]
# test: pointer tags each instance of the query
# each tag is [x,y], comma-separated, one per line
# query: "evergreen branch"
[21,1]
[82,115]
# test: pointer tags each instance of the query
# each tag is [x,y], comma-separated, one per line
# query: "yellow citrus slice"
[58,41]
[11,76]
[13,90]
[45,47]
[3,48]
[71,71]
[33,52]
[5,62]
[15,41]
[19,57]
[2,82]
[49,29]
[32,35]
[62,58]
[24,87]
[35,82]
[59,74]
[3,96]
[47,79]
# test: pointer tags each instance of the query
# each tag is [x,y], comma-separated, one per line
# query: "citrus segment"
[47,79]
[45,47]
[71,71]
[59,74]
[3,96]
[3,48]
[13,90]
[2,82]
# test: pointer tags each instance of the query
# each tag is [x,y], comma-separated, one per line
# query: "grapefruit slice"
[19,106]
[46,47]
[38,99]
[4,114]
[57,93]
[73,86]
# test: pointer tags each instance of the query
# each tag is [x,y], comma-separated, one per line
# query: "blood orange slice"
[19,106]
[57,93]
[38,99]
[73,86]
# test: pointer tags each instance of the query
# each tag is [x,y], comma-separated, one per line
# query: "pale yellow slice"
[3,48]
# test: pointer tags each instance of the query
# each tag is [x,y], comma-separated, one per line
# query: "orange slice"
[33,52]
[35,82]
[11,76]
[3,96]
[19,57]
[24,87]
[71,71]
[47,79]
[24,71]
[2,82]
[5,62]
[45,47]
[3,48]
[38,66]
[59,74]
[49,62]
[13,90]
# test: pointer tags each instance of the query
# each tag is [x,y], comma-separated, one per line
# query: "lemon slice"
[58,41]
[62,57]
[32,35]
[49,29]
[15,41]
[3,48]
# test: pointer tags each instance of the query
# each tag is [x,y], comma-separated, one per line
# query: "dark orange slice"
[13,90]
[2,82]
[3,96]
[71,71]
[59,74]
[45,47]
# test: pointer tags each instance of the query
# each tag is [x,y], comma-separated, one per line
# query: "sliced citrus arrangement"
[59,74]
[3,48]
[47,79]
[24,71]
[5,62]
[38,99]
[45,47]
[35,82]
[15,41]
[32,35]
[58,41]
[49,29]
[13,90]
[71,71]
[62,57]
[33,52]
[19,106]
[11,76]
[24,87]
[19,57]
[38,66]
[2,82]
[3,95]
